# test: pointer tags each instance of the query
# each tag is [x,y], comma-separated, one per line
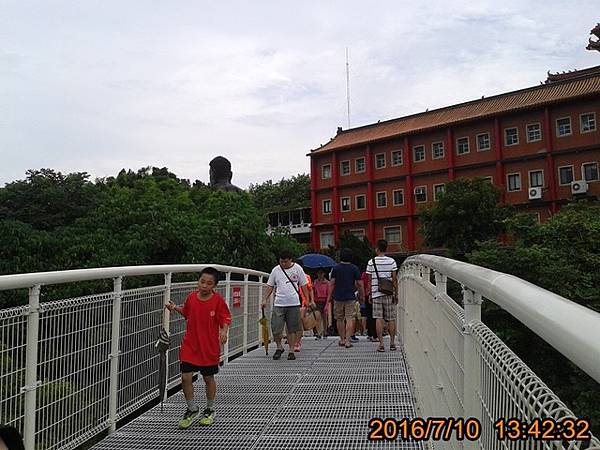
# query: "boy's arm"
[173,307]
[224,316]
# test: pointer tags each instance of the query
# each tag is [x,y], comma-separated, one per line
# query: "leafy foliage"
[52,221]
[285,194]
[468,211]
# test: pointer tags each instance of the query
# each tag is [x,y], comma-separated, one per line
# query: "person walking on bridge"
[382,269]
[287,279]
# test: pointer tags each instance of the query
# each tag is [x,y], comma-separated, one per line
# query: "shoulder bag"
[384,285]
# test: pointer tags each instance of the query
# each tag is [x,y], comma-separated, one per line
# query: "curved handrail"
[570,328]
[27,280]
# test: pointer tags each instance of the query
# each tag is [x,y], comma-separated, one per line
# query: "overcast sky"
[97,86]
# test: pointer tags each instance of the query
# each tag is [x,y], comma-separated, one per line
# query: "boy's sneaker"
[188,418]
[208,417]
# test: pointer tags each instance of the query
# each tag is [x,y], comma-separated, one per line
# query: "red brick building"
[535,144]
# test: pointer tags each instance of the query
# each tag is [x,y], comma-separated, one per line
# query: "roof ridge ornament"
[594,45]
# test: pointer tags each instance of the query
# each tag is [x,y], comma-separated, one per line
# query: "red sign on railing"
[237,297]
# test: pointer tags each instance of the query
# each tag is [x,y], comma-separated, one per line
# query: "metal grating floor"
[323,400]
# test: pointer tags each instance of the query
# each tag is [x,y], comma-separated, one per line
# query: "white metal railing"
[460,368]
[71,369]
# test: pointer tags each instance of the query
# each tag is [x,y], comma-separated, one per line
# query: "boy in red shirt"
[208,319]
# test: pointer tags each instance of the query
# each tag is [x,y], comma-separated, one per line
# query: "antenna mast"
[348,85]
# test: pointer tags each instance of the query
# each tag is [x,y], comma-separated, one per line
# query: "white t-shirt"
[286,294]
[385,267]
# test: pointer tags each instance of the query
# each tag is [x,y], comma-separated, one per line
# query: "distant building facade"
[540,145]
[296,221]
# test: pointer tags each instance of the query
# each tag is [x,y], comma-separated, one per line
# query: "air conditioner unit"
[535,193]
[579,187]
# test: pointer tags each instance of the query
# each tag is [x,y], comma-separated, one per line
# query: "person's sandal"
[341,344]
[349,345]
[278,354]
[291,356]
[381,349]
[392,348]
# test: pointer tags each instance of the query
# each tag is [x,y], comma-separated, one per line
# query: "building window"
[536,178]
[398,197]
[345,168]
[534,132]
[421,194]
[563,126]
[483,142]
[514,182]
[392,234]
[345,202]
[381,199]
[511,136]
[437,150]
[326,206]
[419,153]
[462,145]
[361,202]
[565,175]
[437,190]
[358,232]
[326,171]
[397,158]
[326,239]
[380,161]
[588,122]
[489,179]
[590,171]
[360,165]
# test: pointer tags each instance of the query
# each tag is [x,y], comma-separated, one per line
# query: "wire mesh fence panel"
[179,293]
[73,368]
[13,339]
[141,320]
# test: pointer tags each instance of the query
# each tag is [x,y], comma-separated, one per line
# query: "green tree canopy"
[286,194]
[467,212]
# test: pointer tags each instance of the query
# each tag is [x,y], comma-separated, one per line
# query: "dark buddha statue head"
[221,174]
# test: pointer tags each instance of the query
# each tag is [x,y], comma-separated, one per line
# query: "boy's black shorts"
[205,371]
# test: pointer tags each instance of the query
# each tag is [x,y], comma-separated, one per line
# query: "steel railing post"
[472,372]
[245,314]
[441,287]
[228,300]
[114,354]
[31,362]
[260,299]
[167,323]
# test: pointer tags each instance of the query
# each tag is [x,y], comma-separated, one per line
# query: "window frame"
[572,167]
[508,175]
[458,145]
[323,177]
[384,161]
[506,130]
[356,208]
[364,161]
[435,197]
[415,193]
[433,150]
[399,242]
[414,153]
[377,199]
[489,142]
[329,233]
[539,125]
[394,197]
[363,232]
[583,171]
[593,114]
[558,127]
[529,172]
[348,162]
[489,178]
[399,151]
[342,204]
[325,200]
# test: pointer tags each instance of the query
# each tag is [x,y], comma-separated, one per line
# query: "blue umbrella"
[316,260]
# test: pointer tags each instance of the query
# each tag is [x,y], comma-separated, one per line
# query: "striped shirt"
[385,267]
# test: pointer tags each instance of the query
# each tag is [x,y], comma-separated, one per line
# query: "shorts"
[320,306]
[384,308]
[343,310]
[285,315]
[205,371]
